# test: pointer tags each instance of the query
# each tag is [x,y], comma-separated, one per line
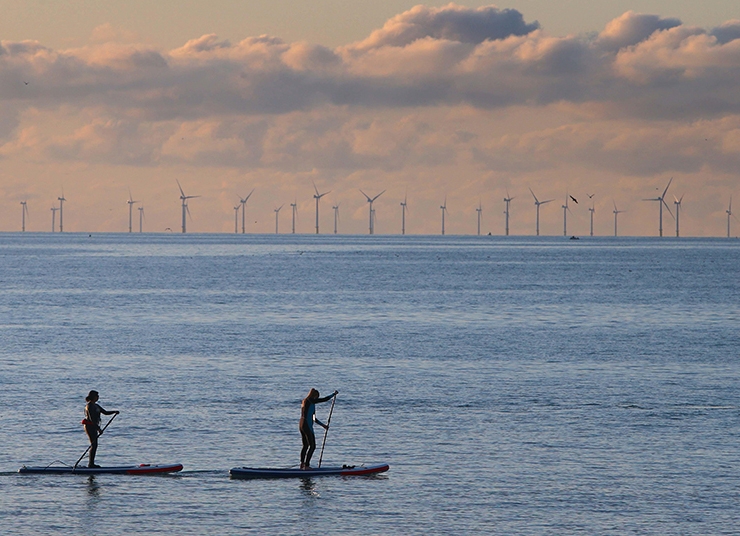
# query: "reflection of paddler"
[308,417]
[91,422]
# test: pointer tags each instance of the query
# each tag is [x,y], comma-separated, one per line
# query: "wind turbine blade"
[250,195]
[188,211]
[535,197]
[668,209]
[178,185]
[314,187]
[546,201]
[666,188]
[367,196]
[653,199]
[381,193]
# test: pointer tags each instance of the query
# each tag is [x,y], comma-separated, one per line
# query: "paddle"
[326,430]
[101,433]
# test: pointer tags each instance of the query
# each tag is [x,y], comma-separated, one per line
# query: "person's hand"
[336,392]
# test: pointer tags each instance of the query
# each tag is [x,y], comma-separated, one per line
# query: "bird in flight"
[590,195]
[574,199]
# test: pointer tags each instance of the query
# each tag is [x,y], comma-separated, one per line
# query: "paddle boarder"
[91,422]
[308,417]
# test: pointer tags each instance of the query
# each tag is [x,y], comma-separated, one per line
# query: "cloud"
[633,28]
[729,31]
[449,23]
[488,58]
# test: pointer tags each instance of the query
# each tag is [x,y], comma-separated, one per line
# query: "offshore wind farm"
[240,211]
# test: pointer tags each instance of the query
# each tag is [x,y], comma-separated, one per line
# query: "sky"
[457,104]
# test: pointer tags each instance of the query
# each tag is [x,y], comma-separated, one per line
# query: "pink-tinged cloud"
[640,65]
[449,23]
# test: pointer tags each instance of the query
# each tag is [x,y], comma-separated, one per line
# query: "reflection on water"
[93,490]
[308,486]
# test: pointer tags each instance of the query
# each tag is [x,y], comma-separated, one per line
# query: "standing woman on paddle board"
[308,417]
[91,422]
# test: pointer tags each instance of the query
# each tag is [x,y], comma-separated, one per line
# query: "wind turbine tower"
[185,210]
[537,203]
[24,213]
[677,202]
[729,214]
[336,216]
[371,200]
[317,197]
[294,207]
[141,219]
[507,200]
[615,216]
[444,209]
[566,209]
[479,210]
[131,203]
[277,216]
[661,202]
[244,210]
[53,218]
[236,218]
[592,210]
[403,216]
[61,212]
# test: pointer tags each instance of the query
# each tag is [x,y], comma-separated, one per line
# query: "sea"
[515,385]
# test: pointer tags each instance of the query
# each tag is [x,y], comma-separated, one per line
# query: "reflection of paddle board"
[142,469]
[271,472]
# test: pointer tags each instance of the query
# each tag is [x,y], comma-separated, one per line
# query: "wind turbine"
[661,202]
[508,200]
[277,212]
[61,212]
[403,215]
[244,209]
[537,203]
[444,209]
[24,213]
[336,216]
[677,202]
[185,209]
[294,206]
[236,218]
[131,203]
[372,212]
[53,217]
[317,197]
[141,219]
[566,209]
[479,210]
[729,213]
[592,210]
[615,216]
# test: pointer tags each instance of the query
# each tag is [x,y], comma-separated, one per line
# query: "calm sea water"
[515,386]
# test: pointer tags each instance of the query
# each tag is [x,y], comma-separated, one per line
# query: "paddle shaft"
[326,431]
[101,433]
